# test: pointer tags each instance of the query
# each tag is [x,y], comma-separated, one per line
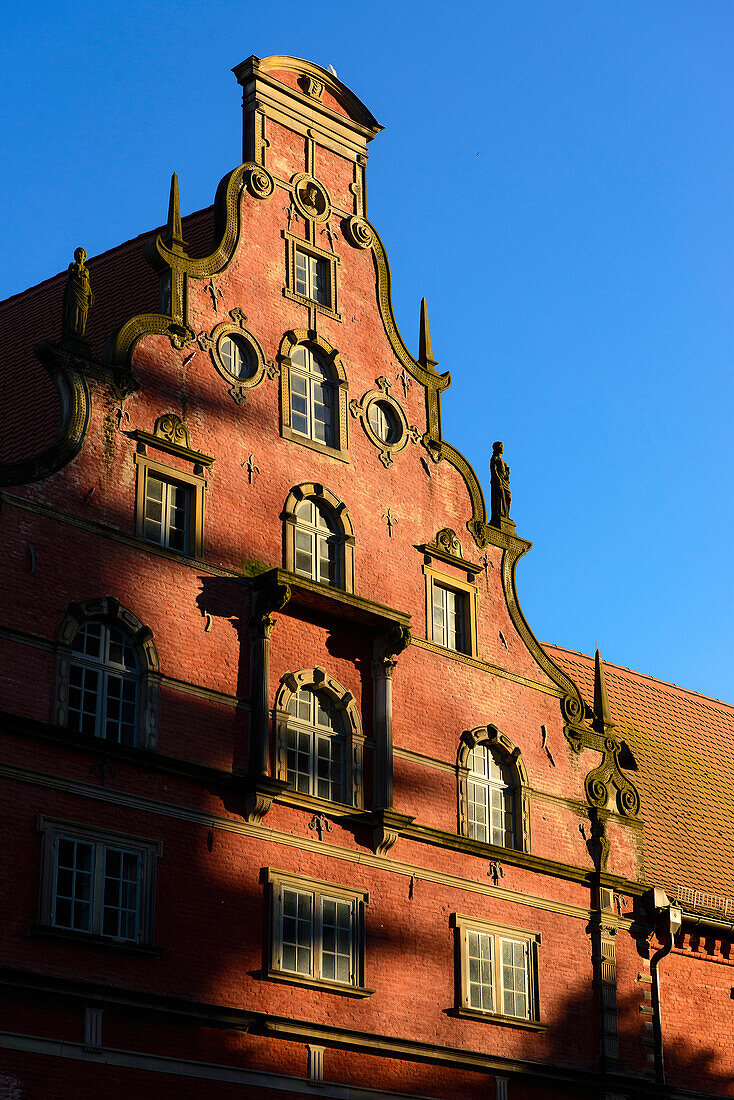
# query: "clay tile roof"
[683,744]
[124,284]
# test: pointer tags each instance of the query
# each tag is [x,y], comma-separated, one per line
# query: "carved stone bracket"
[260,792]
[270,596]
[387,826]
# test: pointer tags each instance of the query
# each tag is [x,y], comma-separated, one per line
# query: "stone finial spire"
[425,347]
[602,714]
[174,233]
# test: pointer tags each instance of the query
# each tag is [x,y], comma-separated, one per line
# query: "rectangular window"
[317,932]
[312,277]
[169,507]
[311,274]
[449,618]
[97,883]
[450,611]
[167,516]
[498,969]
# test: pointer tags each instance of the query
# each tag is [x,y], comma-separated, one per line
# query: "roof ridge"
[45,283]
[642,675]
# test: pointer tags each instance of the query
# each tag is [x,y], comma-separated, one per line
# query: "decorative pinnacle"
[602,714]
[175,233]
[425,347]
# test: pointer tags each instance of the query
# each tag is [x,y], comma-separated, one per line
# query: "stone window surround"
[359,899]
[322,496]
[149,850]
[463,924]
[109,611]
[330,356]
[468,590]
[511,758]
[294,244]
[192,483]
[318,680]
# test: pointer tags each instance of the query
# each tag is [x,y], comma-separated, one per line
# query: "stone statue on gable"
[78,298]
[501,497]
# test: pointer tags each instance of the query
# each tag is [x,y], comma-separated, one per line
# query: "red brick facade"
[200,996]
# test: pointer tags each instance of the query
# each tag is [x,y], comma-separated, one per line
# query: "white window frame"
[492,937]
[319,537]
[169,486]
[312,274]
[193,484]
[313,256]
[315,380]
[488,784]
[105,669]
[439,582]
[315,733]
[101,841]
[319,892]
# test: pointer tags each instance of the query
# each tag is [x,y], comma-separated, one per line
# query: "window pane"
[73,886]
[480,981]
[120,894]
[336,949]
[514,978]
[297,931]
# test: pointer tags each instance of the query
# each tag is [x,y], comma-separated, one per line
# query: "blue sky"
[555,177]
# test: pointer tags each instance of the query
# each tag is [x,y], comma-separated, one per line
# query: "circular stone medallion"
[311,197]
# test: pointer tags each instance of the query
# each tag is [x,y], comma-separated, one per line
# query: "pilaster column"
[386,824]
[260,788]
[382,670]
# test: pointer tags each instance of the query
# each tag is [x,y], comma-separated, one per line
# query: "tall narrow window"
[318,544]
[312,277]
[104,683]
[449,618]
[490,797]
[312,397]
[314,746]
[167,516]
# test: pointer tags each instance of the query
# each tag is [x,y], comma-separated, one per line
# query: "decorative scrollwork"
[171,427]
[448,541]
[596,788]
[181,336]
[572,708]
[359,232]
[260,183]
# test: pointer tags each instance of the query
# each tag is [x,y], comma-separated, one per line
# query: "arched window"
[490,799]
[493,790]
[318,544]
[320,744]
[313,394]
[104,684]
[312,397]
[318,537]
[315,745]
[107,674]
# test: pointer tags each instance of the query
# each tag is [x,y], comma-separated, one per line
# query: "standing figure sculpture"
[78,298]
[501,497]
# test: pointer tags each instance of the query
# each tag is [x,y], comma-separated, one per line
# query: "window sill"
[89,939]
[333,452]
[317,983]
[495,1018]
[311,303]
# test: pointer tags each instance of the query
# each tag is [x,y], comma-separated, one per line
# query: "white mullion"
[97,888]
[166,506]
[318,935]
